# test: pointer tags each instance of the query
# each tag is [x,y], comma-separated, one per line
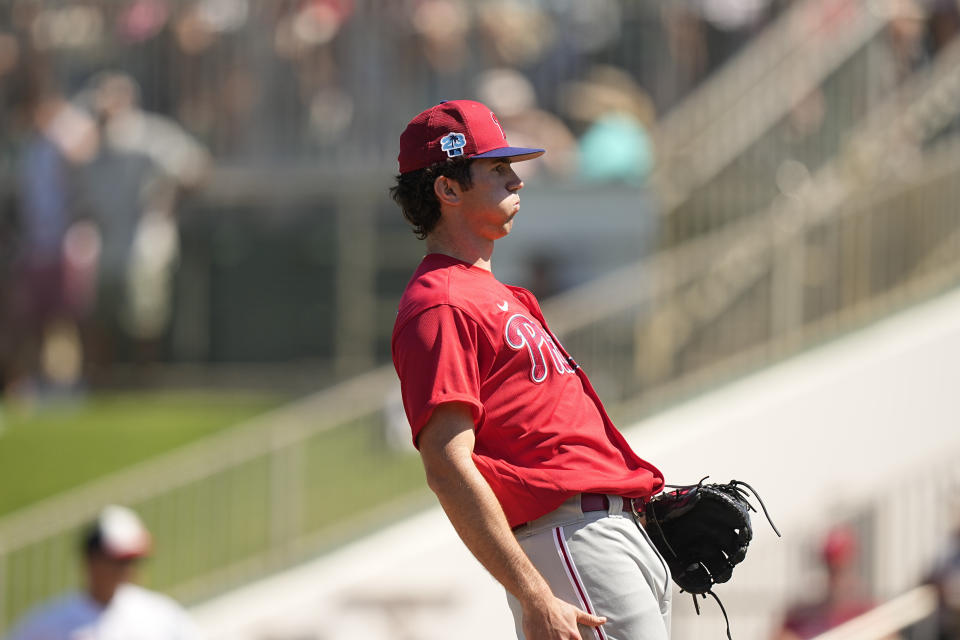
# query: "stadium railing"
[813,260]
[889,618]
[794,122]
[746,98]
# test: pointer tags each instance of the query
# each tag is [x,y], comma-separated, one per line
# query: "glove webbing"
[735,485]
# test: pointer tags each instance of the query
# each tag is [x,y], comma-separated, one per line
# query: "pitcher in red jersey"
[535,478]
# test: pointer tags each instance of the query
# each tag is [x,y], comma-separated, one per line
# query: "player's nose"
[515,183]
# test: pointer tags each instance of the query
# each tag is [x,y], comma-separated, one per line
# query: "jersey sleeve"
[436,357]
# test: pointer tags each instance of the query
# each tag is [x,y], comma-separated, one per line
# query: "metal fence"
[800,84]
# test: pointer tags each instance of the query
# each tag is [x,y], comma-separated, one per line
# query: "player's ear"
[447,190]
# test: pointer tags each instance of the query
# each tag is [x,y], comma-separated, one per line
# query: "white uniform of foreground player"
[134,613]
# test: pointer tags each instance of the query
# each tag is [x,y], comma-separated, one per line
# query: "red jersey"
[542,434]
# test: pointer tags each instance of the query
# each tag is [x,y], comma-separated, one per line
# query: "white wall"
[859,420]
[832,424]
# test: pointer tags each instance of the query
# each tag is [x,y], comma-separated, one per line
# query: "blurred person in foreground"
[535,478]
[844,597]
[110,607]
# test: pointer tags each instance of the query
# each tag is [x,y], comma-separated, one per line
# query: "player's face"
[490,205]
[105,574]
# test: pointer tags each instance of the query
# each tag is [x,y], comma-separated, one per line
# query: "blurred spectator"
[730,24]
[46,348]
[902,50]
[131,190]
[515,33]
[807,115]
[687,44]
[943,24]
[512,98]
[905,32]
[109,605]
[442,27]
[305,36]
[9,53]
[845,596]
[618,116]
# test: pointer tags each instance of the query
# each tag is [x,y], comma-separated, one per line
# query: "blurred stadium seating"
[805,184]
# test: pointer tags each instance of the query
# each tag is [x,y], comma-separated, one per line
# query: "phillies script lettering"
[522,332]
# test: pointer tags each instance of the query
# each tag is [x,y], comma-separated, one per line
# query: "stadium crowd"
[110,110]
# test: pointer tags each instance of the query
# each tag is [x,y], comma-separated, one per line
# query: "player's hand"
[554,619]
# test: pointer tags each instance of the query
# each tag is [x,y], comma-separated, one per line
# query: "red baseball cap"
[840,547]
[455,129]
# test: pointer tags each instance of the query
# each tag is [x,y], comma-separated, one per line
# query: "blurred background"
[746,228]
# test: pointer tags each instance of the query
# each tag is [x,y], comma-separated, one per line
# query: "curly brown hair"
[413,191]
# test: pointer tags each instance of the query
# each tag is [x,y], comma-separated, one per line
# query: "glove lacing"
[735,485]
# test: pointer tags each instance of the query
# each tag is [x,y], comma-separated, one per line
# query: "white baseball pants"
[604,563]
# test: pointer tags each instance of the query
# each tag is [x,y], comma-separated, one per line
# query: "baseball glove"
[703,532]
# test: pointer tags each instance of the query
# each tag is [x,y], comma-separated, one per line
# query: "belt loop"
[616,505]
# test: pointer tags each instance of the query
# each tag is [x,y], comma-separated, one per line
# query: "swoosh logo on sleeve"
[503,306]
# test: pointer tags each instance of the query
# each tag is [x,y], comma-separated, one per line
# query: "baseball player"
[110,607]
[533,475]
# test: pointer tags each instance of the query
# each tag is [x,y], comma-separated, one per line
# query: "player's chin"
[504,229]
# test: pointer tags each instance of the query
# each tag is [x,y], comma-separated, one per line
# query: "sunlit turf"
[51,449]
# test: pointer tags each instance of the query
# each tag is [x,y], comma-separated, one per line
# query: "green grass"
[249,518]
[58,448]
